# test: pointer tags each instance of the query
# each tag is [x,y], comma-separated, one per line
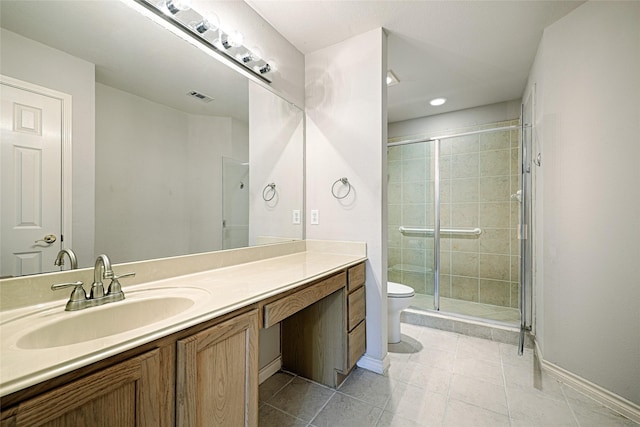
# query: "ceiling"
[131,53]
[470,52]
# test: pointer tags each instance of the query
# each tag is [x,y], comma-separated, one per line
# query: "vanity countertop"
[219,291]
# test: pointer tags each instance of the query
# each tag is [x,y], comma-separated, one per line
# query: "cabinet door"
[217,375]
[126,394]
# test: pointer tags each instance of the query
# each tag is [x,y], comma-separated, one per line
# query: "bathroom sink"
[104,321]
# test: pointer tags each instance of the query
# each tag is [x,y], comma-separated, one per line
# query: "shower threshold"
[486,321]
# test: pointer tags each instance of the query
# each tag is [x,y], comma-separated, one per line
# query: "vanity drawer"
[356,307]
[284,307]
[357,344]
[356,277]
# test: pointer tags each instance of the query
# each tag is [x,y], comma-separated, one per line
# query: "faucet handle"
[78,296]
[114,286]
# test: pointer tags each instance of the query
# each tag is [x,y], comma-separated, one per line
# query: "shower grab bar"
[450,231]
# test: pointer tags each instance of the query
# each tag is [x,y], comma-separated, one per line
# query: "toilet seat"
[398,290]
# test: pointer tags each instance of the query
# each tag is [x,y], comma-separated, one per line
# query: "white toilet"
[398,298]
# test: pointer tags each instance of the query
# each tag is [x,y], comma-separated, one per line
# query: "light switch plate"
[315,217]
[296,216]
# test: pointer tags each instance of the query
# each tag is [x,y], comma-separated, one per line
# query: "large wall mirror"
[173,152]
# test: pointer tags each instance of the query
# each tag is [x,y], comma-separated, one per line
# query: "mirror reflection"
[170,150]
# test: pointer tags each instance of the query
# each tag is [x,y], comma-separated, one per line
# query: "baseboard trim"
[379,366]
[599,394]
[273,367]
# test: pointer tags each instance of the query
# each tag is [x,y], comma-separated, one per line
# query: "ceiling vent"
[200,96]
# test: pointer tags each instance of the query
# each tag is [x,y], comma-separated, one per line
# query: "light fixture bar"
[257,68]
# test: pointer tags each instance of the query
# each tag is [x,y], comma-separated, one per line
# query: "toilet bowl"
[398,298]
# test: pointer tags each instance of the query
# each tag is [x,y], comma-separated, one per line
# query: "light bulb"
[234,39]
[175,6]
[252,55]
[267,67]
[208,23]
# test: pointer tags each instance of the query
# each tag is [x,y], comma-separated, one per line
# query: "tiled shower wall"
[479,173]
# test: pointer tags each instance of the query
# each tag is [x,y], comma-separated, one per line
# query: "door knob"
[49,239]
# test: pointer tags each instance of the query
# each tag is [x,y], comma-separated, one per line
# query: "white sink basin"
[139,309]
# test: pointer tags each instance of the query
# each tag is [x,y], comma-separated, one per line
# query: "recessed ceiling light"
[437,101]
[392,79]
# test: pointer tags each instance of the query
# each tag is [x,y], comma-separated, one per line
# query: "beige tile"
[414,170]
[465,244]
[495,163]
[440,340]
[464,288]
[482,369]
[368,386]
[495,292]
[389,419]
[301,398]
[394,190]
[463,414]
[414,151]
[464,264]
[418,405]
[497,267]
[426,377]
[268,416]
[481,348]
[494,214]
[479,393]
[440,359]
[394,171]
[534,408]
[346,411]
[414,192]
[414,215]
[495,141]
[495,189]
[464,190]
[464,165]
[394,213]
[464,144]
[495,241]
[394,153]
[464,215]
[515,293]
[273,384]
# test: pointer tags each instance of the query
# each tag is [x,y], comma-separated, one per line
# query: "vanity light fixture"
[175,6]
[205,30]
[437,101]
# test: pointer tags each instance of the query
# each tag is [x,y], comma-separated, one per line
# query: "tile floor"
[436,378]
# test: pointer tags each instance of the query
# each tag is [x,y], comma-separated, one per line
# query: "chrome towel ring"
[269,190]
[344,181]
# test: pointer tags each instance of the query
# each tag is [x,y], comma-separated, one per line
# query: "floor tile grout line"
[566,400]
[286,413]
[322,408]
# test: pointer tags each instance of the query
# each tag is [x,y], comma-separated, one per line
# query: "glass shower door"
[411,182]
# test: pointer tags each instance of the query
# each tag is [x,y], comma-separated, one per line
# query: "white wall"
[276,156]
[346,137]
[588,127]
[159,177]
[33,62]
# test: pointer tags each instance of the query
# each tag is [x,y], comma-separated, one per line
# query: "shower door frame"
[437,220]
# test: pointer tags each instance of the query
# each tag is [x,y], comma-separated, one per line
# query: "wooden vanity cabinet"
[210,371]
[324,340]
[217,375]
[125,394]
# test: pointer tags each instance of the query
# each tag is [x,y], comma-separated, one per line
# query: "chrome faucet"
[102,270]
[72,258]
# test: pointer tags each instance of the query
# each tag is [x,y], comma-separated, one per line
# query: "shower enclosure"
[455,221]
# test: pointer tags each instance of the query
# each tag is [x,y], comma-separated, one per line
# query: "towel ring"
[265,192]
[344,181]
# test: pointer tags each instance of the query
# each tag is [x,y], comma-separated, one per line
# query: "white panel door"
[31,172]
